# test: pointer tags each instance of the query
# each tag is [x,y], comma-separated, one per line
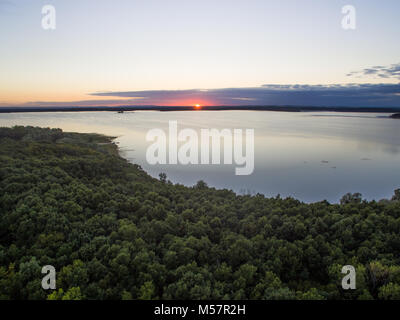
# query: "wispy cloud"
[385,72]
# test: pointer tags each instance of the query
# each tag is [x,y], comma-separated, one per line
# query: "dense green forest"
[113,232]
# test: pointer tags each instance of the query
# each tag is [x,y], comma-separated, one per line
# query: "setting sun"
[197,106]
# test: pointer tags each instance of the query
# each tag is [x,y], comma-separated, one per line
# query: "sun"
[197,106]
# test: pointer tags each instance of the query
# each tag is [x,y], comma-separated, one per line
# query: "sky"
[184,52]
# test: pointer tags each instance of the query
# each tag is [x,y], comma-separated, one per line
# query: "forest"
[113,232]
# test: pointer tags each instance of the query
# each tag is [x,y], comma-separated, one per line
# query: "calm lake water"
[310,156]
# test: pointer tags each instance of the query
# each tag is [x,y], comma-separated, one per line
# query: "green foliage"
[390,291]
[73,293]
[113,232]
[311,294]
[147,291]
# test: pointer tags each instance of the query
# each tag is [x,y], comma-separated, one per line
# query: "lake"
[310,156]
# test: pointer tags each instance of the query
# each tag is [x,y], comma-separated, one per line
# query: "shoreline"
[205,108]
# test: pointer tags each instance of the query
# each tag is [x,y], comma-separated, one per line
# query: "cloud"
[335,95]
[385,72]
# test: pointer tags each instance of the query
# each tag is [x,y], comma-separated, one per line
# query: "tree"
[163,177]
[391,291]
[396,196]
[354,198]
[311,294]
[73,293]
[114,232]
[147,291]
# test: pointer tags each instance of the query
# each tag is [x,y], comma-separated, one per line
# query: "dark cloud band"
[352,95]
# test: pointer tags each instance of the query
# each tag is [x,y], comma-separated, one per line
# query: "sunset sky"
[170,52]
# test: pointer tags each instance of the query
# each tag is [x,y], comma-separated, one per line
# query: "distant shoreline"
[205,108]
